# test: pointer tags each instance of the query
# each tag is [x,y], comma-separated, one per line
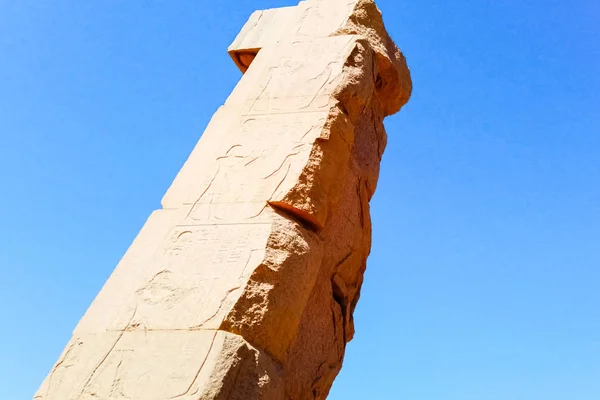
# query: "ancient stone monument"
[243,286]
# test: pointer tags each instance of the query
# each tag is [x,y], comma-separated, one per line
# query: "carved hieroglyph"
[243,286]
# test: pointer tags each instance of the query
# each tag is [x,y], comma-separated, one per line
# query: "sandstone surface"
[243,286]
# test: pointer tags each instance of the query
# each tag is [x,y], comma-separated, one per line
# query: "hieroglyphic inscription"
[319,18]
[199,271]
[131,365]
[267,88]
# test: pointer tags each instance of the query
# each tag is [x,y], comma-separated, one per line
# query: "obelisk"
[243,286]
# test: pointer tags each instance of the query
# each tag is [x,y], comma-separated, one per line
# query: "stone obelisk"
[243,286]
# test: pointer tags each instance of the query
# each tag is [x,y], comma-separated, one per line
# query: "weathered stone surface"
[243,286]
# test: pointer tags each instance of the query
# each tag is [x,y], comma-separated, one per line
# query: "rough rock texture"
[243,286]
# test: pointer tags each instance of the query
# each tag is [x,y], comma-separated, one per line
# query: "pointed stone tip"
[312,19]
[393,81]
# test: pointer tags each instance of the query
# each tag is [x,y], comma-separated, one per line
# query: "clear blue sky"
[484,281]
